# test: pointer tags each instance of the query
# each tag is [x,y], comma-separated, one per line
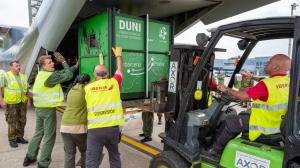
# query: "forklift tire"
[168,159]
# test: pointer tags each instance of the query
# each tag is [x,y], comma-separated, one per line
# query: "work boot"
[40,166]
[141,135]
[22,141]
[27,161]
[146,139]
[13,144]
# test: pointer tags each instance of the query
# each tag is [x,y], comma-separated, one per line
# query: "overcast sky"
[266,48]
[15,12]
[280,8]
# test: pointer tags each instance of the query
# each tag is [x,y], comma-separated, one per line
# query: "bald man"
[105,114]
[270,101]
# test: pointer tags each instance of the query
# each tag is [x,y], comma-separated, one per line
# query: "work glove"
[101,59]
[117,51]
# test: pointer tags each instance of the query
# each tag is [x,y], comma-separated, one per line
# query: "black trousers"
[98,138]
[232,126]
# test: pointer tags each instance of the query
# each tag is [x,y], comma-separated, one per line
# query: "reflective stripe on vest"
[270,108]
[47,101]
[46,96]
[101,107]
[98,120]
[263,129]
[12,90]
[266,117]
[104,104]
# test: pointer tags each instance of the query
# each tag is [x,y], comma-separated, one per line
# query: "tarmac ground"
[13,157]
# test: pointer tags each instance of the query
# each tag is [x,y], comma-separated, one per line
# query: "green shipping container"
[108,29]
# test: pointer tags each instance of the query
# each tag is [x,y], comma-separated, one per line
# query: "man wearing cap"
[105,114]
[246,83]
[47,95]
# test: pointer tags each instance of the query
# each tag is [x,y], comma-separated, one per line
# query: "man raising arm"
[47,95]
[270,101]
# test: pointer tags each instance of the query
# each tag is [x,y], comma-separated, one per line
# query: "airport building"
[255,65]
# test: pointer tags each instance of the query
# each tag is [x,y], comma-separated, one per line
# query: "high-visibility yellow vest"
[2,74]
[266,117]
[104,104]
[46,96]
[12,90]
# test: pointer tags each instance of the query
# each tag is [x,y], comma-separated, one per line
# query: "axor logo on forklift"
[173,77]
[243,160]
[197,125]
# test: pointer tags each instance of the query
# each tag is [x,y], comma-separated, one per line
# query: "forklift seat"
[272,139]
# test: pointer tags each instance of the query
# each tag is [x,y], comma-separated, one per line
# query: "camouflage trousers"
[16,119]
[147,118]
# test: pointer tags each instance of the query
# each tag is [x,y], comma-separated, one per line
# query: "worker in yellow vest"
[2,75]
[14,85]
[105,114]
[270,104]
[47,95]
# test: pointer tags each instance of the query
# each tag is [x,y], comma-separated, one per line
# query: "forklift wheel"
[168,159]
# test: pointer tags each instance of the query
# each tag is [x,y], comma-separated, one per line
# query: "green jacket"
[60,76]
[76,112]
[220,78]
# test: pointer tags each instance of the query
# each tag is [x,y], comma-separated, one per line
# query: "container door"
[159,47]
[130,35]
[93,40]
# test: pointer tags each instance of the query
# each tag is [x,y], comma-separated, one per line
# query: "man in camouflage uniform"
[14,85]
[246,83]
[221,77]
[238,81]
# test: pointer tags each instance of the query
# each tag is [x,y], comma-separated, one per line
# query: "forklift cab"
[195,124]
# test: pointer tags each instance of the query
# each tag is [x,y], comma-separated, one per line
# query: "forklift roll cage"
[252,31]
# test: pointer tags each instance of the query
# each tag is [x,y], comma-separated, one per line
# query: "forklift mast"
[182,63]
